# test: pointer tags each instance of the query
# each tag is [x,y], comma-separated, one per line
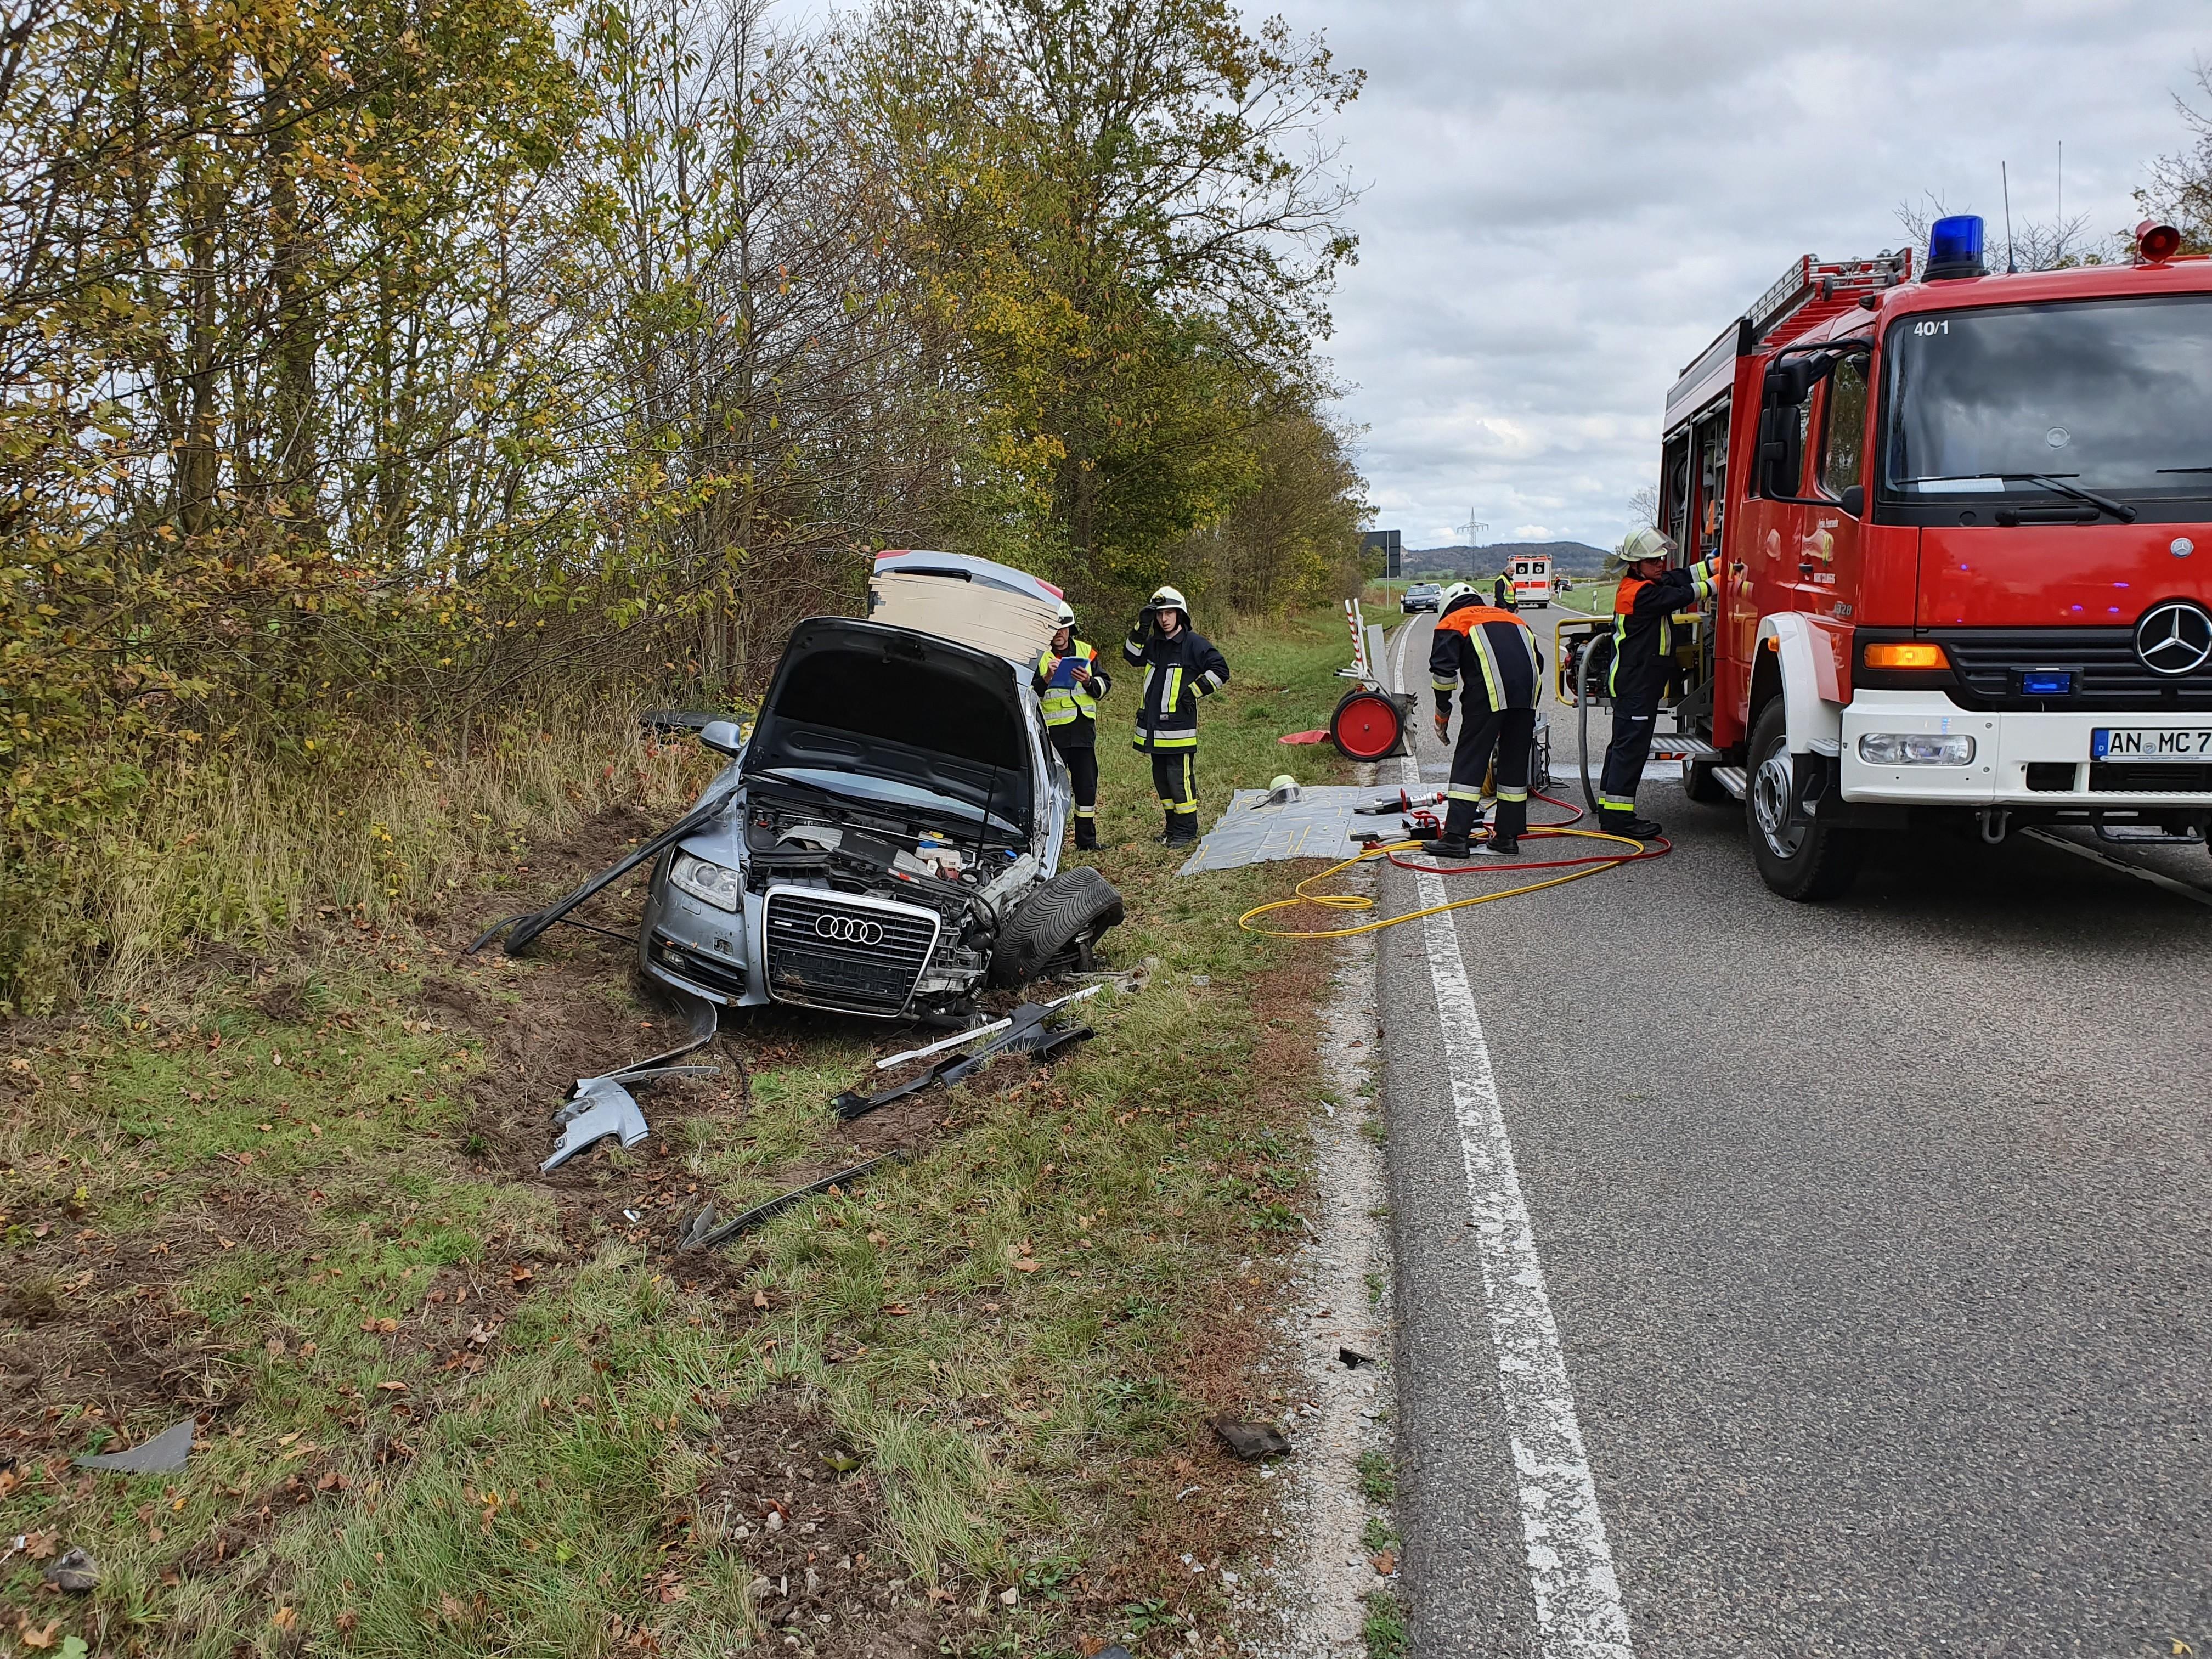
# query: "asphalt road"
[1872,1243]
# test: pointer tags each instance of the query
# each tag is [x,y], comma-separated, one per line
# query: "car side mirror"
[1853,499]
[723,737]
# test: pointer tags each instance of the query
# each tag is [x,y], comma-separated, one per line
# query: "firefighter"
[1644,607]
[1180,668]
[1069,682]
[1488,655]
[1501,593]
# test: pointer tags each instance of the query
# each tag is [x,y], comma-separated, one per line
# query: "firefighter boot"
[1086,834]
[1167,834]
[1628,824]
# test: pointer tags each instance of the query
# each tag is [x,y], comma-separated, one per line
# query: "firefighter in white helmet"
[1069,682]
[1651,591]
[1180,668]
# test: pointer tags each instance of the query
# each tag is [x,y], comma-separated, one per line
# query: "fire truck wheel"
[1698,785]
[1802,862]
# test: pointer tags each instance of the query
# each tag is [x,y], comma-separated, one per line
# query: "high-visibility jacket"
[1178,671]
[1070,710]
[1643,627]
[1487,655]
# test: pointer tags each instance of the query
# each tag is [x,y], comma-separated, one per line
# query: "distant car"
[1422,596]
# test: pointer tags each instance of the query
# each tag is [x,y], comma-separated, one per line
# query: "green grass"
[1384,1629]
[1378,1478]
[1018,1333]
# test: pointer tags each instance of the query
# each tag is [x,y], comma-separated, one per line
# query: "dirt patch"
[789,1495]
[283,1004]
[93,1332]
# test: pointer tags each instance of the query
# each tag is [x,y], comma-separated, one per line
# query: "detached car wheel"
[1068,913]
[1799,860]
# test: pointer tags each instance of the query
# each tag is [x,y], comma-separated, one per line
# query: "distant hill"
[1575,558]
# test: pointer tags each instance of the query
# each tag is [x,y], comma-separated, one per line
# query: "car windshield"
[2108,395]
[888,792]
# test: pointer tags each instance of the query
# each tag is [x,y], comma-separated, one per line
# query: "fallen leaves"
[391,1385]
[1384,1562]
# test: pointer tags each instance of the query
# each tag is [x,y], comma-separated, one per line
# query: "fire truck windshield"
[2111,395]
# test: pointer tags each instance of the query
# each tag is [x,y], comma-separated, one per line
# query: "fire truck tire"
[1698,785]
[1807,862]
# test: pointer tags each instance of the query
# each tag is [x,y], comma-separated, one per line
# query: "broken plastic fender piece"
[703,1232]
[164,1454]
[602,1107]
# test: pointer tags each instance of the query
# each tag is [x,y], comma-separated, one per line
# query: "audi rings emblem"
[850,930]
[2174,638]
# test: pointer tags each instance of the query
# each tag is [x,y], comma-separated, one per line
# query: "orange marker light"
[1907,654]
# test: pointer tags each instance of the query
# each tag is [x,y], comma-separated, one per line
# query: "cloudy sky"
[1566,200]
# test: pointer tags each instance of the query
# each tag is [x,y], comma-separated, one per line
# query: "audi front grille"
[846,952]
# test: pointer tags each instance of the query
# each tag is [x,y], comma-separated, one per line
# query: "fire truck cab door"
[1827,552]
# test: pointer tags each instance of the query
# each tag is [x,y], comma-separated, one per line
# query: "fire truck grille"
[2108,676]
[829,951]
[2148,778]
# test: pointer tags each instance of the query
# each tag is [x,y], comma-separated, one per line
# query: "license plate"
[2150,743]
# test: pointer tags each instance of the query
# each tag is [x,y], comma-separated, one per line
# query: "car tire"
[1068,913]
[1807,862]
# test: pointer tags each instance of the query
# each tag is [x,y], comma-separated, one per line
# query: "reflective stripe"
[1209,683]
[1463,794]
[1503,793]
[1451,684]
[1171,698]
[1614,804]
[1087,811]
[1185,799]
[1184,739]
[1479,637]
[1064,704]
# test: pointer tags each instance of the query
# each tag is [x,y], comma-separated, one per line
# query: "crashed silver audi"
[886,838]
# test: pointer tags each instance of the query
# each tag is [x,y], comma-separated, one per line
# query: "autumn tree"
[1126,209]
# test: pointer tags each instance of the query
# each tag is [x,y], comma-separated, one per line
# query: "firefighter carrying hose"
[1180,668]
[1489,656]
[1644,608]
[1069,682]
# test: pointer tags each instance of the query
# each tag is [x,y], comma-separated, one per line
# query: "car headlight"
[1914,749]
[715,883]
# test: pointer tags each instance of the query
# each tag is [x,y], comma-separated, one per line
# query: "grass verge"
[449,1405]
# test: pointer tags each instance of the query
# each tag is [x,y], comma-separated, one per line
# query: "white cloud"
[1565,204]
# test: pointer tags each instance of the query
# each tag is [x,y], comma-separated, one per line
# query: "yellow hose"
[1360,902]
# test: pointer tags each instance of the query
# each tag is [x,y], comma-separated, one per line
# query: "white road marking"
[2155,877]
[1579,1612]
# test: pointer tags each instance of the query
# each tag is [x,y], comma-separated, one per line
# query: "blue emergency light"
[2047,683]
[1954,247]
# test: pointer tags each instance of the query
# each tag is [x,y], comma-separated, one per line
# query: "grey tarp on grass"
[1317,825]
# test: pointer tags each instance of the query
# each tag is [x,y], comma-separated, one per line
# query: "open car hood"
[895,711]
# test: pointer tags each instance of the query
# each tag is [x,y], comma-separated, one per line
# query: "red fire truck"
[1964,530]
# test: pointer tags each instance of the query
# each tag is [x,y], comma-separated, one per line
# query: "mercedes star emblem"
[2174,638]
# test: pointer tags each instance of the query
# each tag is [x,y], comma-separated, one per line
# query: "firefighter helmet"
[1638,545]
[1065,616]
[1169,599]
[1452,595]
